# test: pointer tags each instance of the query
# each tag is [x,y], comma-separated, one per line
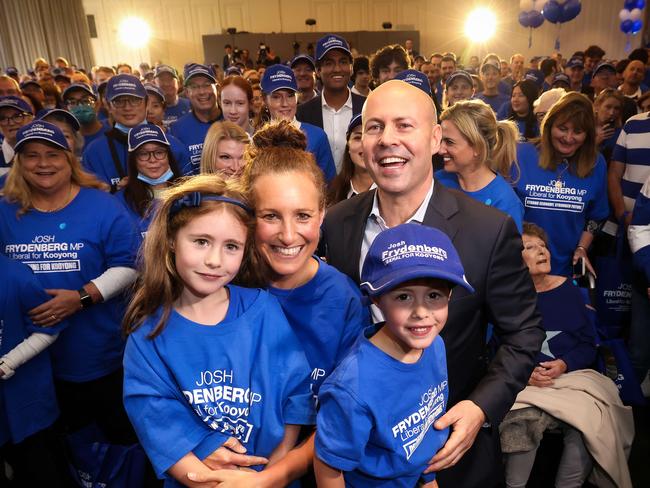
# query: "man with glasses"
[81,101]
[107,155]
[14,113]
[175,107]
[333,109]
[191,128]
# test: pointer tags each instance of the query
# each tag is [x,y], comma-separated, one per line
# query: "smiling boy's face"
[415,312]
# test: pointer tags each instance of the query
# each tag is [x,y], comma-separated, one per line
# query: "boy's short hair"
[407,252]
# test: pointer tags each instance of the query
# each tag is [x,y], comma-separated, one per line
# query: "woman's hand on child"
[232,455]
[466,419]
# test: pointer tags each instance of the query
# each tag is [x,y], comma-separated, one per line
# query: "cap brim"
[38,138]
[194,75]
[283,87]
[347,51]
[68,116]
[397,277]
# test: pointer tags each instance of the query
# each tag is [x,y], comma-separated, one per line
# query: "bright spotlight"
[134,31]
[481,25]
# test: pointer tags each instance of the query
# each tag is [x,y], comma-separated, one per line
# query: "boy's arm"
[189,462]
[291,433]
[326,476]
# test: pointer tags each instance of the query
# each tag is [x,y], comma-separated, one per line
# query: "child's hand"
[232,455]
[430,484]
[228,478]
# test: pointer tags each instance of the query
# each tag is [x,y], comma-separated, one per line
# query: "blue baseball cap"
[303,58]
[40,130]
[124,84]
[560,78]
[575,63]
[165,68]
[17,103]
[155,90]
[535,76]
[415,78]
[277,77]
[144,133]
[604,66]
[26,83]
[233,70]
[71,119]
[331,41]
[355,122]
[492,63]
[194,69]
[459,74]
[407,252]
[79,86]
[11,71]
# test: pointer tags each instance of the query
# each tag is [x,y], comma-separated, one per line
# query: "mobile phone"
[609,125]
[580,268]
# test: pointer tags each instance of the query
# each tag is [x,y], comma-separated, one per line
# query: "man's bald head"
[399,88]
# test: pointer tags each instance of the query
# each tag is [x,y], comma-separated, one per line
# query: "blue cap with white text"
[40,131]
[124,84]
[16,103]
[407,252]
[60,113]
[194,69]
[331,41]
[278,77]
[144,133]
[415,78]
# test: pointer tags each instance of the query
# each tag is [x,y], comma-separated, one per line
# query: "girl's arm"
[289,441]
[189,462]
[326,476]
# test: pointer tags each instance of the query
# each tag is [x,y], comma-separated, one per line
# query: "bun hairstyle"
[159,283]
[278,148]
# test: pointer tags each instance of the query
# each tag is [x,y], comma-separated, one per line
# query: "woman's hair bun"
[280,134]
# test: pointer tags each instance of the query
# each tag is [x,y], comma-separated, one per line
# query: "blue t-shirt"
[319,146]
[498,194]
[494,101]
[98,160]
[90,138]
[191,132]
[141,221]
[66,249]
[172,114]
[570,336]
[376,415]
[560,202]
[27,399]
[194,386]
[327,315]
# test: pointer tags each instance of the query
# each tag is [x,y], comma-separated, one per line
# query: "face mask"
[122,128]
[84,113]
[161,179]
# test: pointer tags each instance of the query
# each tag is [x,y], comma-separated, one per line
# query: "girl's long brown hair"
[159,284]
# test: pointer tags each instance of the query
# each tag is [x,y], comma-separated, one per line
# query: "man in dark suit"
[336,105]
[400,134]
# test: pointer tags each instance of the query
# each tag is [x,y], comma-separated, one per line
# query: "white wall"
[178,25]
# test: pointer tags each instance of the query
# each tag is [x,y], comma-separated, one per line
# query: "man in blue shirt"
[81,101]
[167,80]
[491,77]
[191,128]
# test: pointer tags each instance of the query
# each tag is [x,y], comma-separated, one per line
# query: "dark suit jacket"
[490,248]
[311,112]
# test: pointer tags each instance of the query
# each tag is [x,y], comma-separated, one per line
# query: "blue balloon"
[570,10]
[640,4]
[535,19]
[631,4]
[552,11]
[523,19]
[637,25]
[626,26]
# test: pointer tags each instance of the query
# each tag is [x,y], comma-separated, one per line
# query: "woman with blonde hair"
[563,183]
[479,155]
[81,243]
[608,108]
[223,150]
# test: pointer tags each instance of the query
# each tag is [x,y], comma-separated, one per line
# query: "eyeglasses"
[122,102]
[203,87]
[15,119]
[84,102]
[158,155]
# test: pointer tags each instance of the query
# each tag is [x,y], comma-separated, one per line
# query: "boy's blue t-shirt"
[191,132]
[90,138]
[494,101]
[376,415]
[327,315]
[560,202]
[27,399]
[193,386]
[67,249]
[498,194]
[98,160]
[172,114]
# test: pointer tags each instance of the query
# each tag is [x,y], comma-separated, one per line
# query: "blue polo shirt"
[173,113]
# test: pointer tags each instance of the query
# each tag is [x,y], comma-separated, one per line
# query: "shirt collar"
[418,216]
[7,151]
[348,102]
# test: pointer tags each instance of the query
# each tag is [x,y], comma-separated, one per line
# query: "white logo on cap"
[401,250]
[146,132]
[38,129]
[280,75]
[411,78]
[332,40]
[124,84]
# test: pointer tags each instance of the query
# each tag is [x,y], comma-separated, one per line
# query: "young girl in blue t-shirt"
[209,365]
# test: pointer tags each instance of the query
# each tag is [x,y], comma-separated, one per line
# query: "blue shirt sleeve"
[164,422]
[357,318]
[324,158]
[343,429]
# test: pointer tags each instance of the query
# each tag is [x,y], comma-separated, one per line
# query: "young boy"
[377,409]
